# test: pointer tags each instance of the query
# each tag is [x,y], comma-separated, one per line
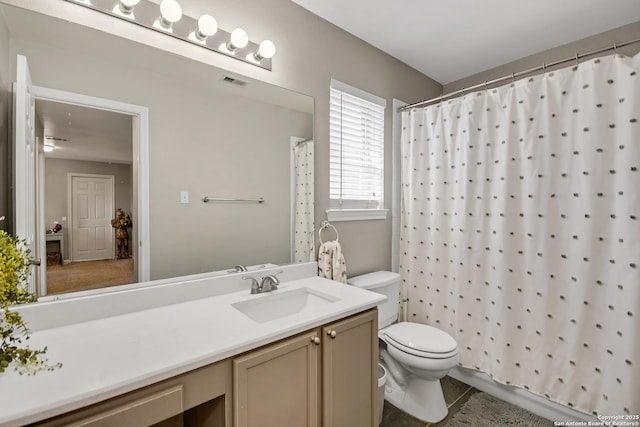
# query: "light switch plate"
[184,197]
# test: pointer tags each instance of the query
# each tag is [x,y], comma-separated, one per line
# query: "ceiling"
[451,39]
[83,133]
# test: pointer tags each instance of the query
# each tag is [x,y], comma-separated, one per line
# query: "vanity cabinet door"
[278,385]
[349,372]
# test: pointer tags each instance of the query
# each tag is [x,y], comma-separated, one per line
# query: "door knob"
[37,261]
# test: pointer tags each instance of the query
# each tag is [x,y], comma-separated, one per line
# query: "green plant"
[15,263]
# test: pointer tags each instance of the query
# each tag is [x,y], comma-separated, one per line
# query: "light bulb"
[170,12]
[207,26]
[238,39]
[126,6]
[266,50]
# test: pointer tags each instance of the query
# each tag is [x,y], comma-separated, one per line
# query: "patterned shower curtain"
[304,249]
[520,231]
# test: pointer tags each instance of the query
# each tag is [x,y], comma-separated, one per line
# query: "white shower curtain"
[304,248]
[520,231]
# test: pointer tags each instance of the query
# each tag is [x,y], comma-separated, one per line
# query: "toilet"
[415,356]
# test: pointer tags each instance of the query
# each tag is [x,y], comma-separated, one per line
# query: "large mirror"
[211,134]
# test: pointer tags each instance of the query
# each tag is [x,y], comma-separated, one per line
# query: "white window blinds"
[356,148]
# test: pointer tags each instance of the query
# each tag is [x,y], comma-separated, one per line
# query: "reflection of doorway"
[30,170]
[90,213]
[87,171]
[88,136]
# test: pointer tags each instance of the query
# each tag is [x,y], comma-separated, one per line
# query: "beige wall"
[199,142]
[310,52]
[56,188]
[608,38]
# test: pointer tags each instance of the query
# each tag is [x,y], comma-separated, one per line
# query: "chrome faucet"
[240,268]
[269,283]
[256,288]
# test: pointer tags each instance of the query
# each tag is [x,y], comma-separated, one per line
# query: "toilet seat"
[421,340]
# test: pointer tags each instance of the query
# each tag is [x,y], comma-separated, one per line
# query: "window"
[356,154]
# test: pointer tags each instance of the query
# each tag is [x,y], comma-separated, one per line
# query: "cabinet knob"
[315,340]
[331,333]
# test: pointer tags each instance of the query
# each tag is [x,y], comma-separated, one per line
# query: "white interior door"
[91,213]
[25,162]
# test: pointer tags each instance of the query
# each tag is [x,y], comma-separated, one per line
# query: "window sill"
[356,214]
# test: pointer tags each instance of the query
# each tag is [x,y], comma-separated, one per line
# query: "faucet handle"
[270,282]
[255,286]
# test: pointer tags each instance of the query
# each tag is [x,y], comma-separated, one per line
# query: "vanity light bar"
[168,18]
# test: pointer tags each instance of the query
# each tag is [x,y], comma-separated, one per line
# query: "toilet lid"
[421,338]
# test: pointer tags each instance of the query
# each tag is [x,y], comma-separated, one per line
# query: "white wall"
[589,44]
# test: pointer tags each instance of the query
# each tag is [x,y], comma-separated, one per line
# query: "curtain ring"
[544,68]
[577,59]
[615,48]
[513,77]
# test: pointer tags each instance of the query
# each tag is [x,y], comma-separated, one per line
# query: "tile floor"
[455,394]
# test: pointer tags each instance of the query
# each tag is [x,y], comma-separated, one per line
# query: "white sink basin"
[283,303]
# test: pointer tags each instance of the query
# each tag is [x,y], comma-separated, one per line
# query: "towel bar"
[207,199]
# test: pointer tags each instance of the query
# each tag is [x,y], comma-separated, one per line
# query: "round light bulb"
[267,49]
[126,6]
[239,38]
[207,26]
[170,11]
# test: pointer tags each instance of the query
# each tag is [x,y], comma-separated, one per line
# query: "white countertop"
[110,356]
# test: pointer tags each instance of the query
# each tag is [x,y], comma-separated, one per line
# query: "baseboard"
[519,397]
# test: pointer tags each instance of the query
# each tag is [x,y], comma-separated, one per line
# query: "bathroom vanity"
[304,354]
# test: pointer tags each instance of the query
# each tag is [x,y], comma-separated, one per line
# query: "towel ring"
[327,224]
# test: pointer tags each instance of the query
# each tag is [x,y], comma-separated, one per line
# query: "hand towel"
[331,263]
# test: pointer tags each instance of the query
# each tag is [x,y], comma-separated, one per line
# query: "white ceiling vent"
[234,81]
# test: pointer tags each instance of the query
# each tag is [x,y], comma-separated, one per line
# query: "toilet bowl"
[425,355]
[415,356]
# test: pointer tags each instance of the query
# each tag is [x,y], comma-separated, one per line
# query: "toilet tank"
[386,283]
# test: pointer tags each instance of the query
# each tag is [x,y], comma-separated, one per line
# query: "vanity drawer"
[130,410]
[198,397]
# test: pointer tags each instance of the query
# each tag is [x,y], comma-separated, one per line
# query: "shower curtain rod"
[513,76]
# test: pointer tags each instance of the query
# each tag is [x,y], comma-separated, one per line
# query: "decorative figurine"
[120,223]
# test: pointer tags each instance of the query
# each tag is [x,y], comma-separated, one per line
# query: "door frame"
[24,152]
[70,176]
[140,166]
